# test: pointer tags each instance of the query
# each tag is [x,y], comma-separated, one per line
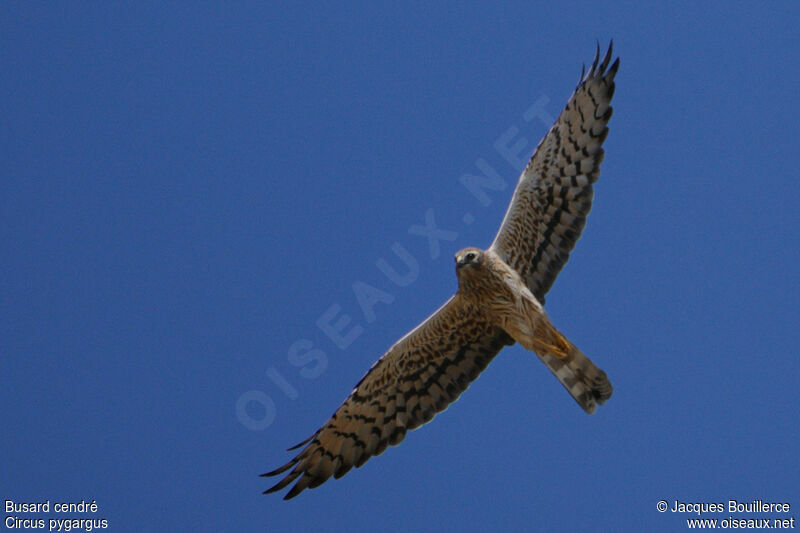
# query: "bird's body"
[500,301]
[496,291]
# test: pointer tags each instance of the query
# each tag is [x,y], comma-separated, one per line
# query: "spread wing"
[419,376]
[554,193]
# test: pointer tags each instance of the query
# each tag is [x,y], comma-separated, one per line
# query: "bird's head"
[470,267]
[468,257]
[469,261]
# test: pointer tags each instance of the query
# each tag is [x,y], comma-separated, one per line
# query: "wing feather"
[554,194]
[419,376]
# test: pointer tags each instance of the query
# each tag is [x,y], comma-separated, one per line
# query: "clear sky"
[187,191]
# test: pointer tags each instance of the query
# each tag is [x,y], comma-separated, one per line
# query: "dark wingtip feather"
[301,443]
[607,57]
[596,59]
[299,487]
[599,66]
[280,469]
[271,490]
[283,483]
[276,471]
[614,68]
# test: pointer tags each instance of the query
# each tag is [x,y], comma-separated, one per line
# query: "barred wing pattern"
[554,193]
[419,376]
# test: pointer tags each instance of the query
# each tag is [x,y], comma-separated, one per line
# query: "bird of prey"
[499,302]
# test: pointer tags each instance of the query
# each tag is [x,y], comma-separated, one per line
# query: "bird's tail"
[580,376]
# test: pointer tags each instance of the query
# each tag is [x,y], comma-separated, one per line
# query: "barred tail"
[583,380]
[580,376]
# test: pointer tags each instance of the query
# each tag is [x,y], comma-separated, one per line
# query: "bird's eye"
[470,257]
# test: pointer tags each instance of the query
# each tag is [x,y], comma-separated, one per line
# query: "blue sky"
[187,189]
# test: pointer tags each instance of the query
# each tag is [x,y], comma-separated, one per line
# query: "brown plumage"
[499,301]
[490,285]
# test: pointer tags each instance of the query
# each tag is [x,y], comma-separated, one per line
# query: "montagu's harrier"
[499,301]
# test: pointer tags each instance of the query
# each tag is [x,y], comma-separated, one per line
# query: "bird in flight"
[499,301]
